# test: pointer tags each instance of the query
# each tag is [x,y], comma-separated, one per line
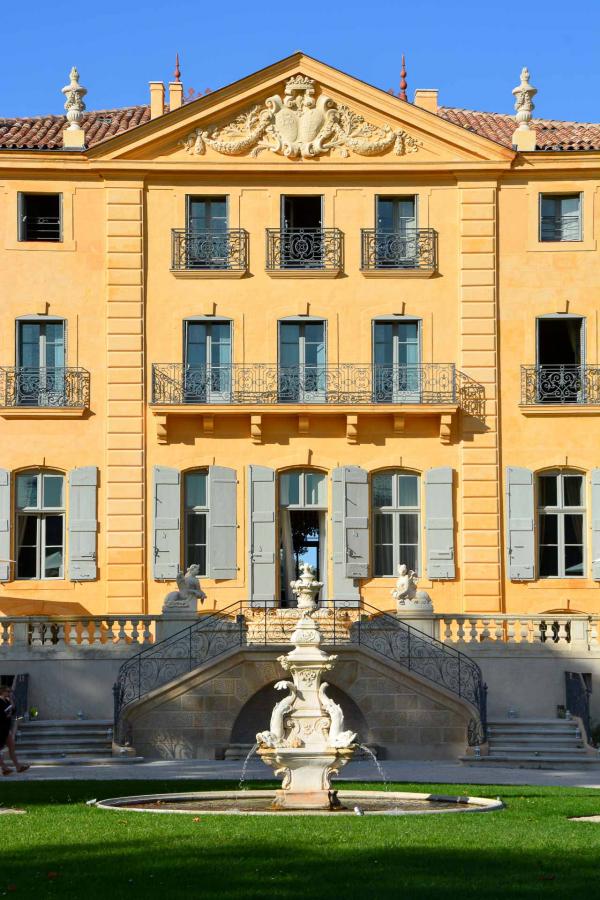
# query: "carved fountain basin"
[306,774]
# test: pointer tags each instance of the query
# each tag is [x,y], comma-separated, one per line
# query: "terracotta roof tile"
[45,132]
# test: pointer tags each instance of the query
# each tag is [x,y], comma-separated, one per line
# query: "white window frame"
[195,511]
[396,511]
[40,512]
[560,510]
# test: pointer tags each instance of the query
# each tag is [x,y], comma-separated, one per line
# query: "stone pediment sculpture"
[405,593]
[188,593]
[299,125]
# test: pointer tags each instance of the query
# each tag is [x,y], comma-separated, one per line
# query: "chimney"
[157,99]
[175,95]
[427,99]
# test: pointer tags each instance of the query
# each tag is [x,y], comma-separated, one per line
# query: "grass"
[64,849]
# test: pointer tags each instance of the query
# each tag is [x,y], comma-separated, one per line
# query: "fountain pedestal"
[306,743]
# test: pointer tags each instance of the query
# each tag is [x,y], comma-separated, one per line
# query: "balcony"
[29,391]
[410,252]
[305,252]
[209,253]
[565,386]
[262,389]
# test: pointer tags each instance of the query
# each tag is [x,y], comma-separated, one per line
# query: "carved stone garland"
[298,125]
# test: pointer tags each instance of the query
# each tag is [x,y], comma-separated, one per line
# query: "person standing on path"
[8,728]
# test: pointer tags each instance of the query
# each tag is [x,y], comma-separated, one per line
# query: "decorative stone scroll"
[300,125]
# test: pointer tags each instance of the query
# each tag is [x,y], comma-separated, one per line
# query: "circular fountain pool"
[260,803]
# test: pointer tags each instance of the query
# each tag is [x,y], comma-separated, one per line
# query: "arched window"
[561,511]
[196,518]
[397,521]
[40,525]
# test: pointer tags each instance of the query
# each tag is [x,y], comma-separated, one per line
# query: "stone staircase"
[67,742]
[535,744]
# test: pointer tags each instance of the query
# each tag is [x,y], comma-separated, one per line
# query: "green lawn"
[64,849]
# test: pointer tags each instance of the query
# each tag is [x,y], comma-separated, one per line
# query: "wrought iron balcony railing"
[414,248]
[304,248]
[40,228]
[209,249]
[560,385]
[40,388]
[348,383]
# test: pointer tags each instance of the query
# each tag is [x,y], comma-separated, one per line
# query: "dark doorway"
[559,359]
[302,234]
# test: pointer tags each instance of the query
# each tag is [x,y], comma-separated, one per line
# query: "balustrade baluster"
[135,634]
[146,634]
[473,632]
[499,630]
[510,631]
[122,635]
[448,629]
[524,632]
[37,634]
[110,632]
[5,630]
[97,631]
[85,633]
[485,631]
[460,631]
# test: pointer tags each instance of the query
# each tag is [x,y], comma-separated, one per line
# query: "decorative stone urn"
[306,743]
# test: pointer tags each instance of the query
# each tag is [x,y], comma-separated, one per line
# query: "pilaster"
[125,443]
[480,448]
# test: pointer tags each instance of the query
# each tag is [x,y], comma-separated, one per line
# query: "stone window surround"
[588,192]
[11,237]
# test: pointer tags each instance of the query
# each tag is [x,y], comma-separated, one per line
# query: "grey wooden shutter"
[4,525]
[520,543]
[83,523]
[595,474]
[167,524]
[439,523]
[261,499]
[222,522]
[350,533]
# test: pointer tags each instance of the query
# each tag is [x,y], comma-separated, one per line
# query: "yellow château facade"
[298,319]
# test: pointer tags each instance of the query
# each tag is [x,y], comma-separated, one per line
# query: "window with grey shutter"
[439,523]
[350,518]
[167,527]
[519,514]
[4,525]
[261,500]
[83,523]
[222,522]
[595,476]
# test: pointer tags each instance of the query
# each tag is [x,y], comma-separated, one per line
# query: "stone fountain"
[306,743]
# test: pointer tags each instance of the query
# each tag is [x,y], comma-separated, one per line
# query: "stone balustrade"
[548,629]
[100,632]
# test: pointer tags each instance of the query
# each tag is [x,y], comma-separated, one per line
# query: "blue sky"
[473,52]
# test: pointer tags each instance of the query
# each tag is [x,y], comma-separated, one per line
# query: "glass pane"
[385,214]
[26,566]
[29,345]
[573,561]
[384,347]
[289,350]
[195,352]
[569,205]
[195,489]
[548,529]
[549,206]
[384,529]
[315,489]
[548,561]
[53,561]
[196,528]
[53,491]
[382,490]
[408,490]
[54,531]
[573,529]
[27,531]
[573,485]
[384,560]
[409,529]
[409,556]
[548,492]
[27,491]
[290,489]
[55,354]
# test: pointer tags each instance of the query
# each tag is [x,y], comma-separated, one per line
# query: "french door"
[396,366]
[207,362]
[41,363]
[302,362]
[396,243]
[208,239]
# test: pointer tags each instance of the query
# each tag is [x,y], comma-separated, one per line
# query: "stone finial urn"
[306,743]
[306,588]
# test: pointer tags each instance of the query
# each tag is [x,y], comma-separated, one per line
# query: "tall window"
[560,217]
[208,362]
[40,525]
[196,519]
[561,509]
[41,362]
[396,514]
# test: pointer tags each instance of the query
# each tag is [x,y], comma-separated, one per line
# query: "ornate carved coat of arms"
[299,125]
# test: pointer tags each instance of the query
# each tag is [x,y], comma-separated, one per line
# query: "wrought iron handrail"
[560,384]
[347,383]
[240,625]
[44,387]
[192,249]
[410,248]
[304,248]
[40,228]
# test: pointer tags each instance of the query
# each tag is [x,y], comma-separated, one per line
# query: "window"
[302,362]
[40,525]
[560,525]
[396,514]
[207,362]
[396,354]
[40,217]
[41,363]
[560,217]
[303,489]
[196,519]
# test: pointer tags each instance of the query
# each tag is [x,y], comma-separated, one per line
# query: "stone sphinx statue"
[405,593]
[275,735]
[188,593]
[337,736]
